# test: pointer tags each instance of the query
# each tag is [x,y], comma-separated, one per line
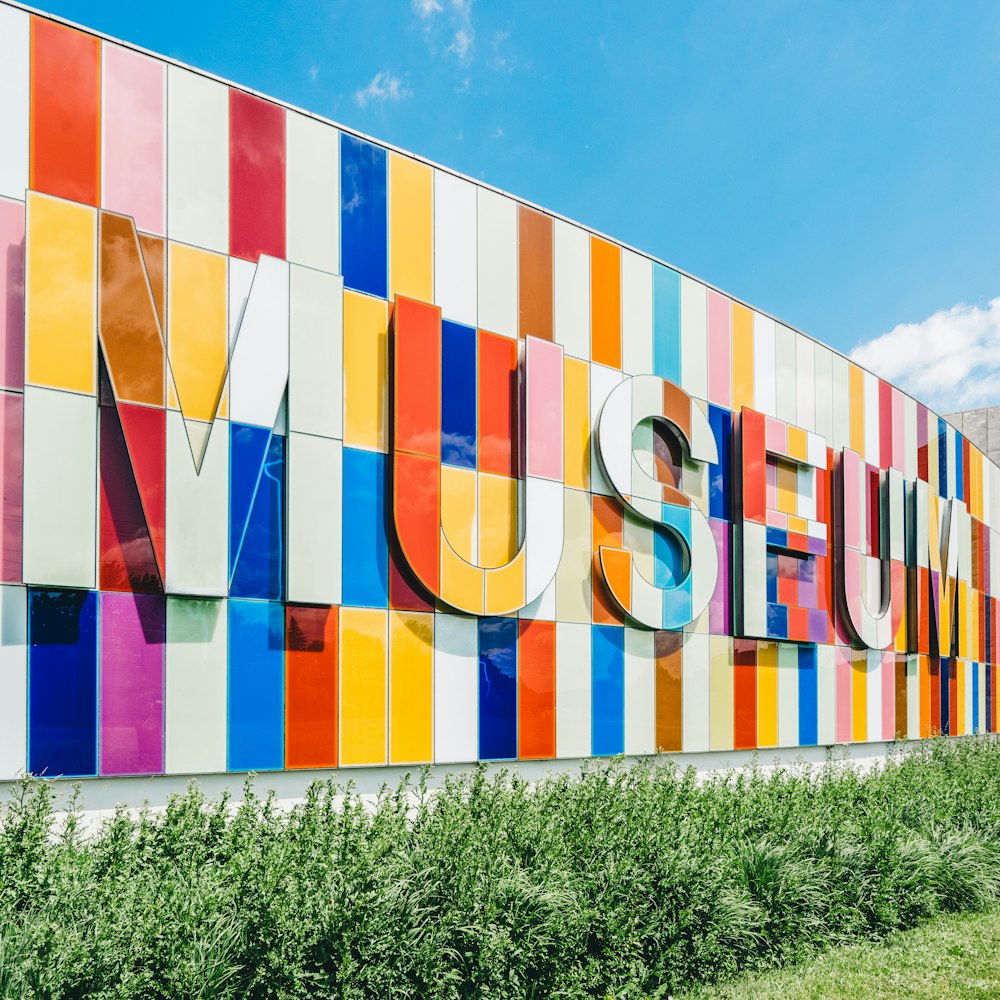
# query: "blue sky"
[836,164]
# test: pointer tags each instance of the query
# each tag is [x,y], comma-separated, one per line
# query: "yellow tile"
[857,394]
[573,578]
[505,587]
[365,372]
[61,295]
[411,247]
[788,487]
[859,695]
[363,658]
[497,519]
[797,447]
[462,584]
[721,693]
[411,687]
[799,525]
[576,423]
[767,694]
[458,511]
[198,339]
[743,394]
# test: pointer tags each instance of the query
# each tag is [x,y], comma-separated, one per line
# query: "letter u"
[417,460]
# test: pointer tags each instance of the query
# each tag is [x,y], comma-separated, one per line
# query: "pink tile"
[134,137]
[898,431]
[132,629]
[11,294]
[888,695]
[545,408]
[720,350]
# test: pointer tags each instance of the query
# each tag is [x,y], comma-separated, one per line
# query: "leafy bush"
[621,881]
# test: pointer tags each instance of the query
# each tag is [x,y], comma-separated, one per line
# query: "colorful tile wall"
[317,455]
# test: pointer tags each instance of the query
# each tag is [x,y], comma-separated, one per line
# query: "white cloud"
[426,8]
[383,87]
[459,24]
[950,361]
[313,73]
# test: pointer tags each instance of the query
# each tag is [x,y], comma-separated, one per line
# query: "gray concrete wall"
[981,427]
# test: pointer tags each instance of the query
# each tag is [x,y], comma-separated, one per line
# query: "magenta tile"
[719,617]
[132,630]
[11,294]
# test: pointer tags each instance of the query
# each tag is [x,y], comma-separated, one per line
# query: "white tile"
[573,690]
[455,269]
[15,87]
[312,193]
[197,513]
[543,537]
[13,675]
[640,692]
[197,160]
[60,488]
[872,424]
[258,371]
[316,353]
[571,289]
[764,386]
[786,391]
[637,313]
[313,532]
[788,695]
[456,689]
[840,372]
[497,260]
[196,686]
[823,367]
[695,707]
[805,383]
[694,338]
[602,381]
[826,695]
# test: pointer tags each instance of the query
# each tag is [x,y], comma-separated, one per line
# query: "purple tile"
[719,615]
[132,631]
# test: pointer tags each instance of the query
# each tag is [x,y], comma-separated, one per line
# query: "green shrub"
[623,881]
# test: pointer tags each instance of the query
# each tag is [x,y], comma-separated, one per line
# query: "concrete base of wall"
[100,796]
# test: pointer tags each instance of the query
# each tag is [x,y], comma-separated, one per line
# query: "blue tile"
[959,467]
[256,735]
[720,500]
[772,577]
[607,664]
[808,697]
[777,538]
[62,682]
[365,544]
[777,621]
[942,457]
[945,705]
[363,219]
[667,323]
[497,688]
[975,697]
[988,721]
[247,452]
[458,395]
[259,567]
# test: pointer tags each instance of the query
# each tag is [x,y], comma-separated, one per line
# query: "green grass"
[950,957]
[623,881]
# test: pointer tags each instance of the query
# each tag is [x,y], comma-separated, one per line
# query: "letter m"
[172,358]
